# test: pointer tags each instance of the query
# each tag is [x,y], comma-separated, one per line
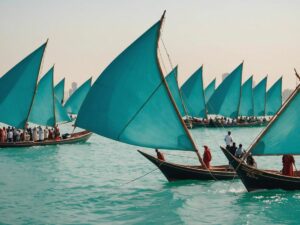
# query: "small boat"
[196,123]
[255,179]
[78,137]
[176,172]
[280,137]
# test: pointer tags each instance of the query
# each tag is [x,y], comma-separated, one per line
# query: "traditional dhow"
[280,137]
[143,112]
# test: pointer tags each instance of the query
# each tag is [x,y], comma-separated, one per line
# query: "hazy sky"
[85,36]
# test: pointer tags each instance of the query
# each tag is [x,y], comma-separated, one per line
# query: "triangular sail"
[130,102]
[282,134]
[73,104]
[193,95]
[225,100]
[18,87]
[171,79]
[274,98]
[61,115]
[42,110]
[59,91]
[246,103]
[209,90]
[259,98]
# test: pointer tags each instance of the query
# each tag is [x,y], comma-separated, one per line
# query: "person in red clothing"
[288,162]
[160,156]
[207,156]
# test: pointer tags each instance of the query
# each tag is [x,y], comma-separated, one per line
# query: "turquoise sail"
[226,99]
[246,103]
[274,98]
[61,115]
[209,90]
[193,95]
[59,91]
[259,98]
[171,79]
[42,110]
[282,135]
[73,104]
[130,102]
[17,89]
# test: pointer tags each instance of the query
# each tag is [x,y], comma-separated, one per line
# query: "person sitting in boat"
[10,135]
[233,148]
[207,156]
[46,133]
[228,140]
[251,162]
[239,152]
[18,136]
[160,155]
[56,132]
[1,135]
[287,165]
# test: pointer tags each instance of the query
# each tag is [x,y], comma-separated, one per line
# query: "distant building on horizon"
[286,93]
[73,88]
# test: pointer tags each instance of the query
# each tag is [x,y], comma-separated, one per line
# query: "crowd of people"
[223,121]
[12,134]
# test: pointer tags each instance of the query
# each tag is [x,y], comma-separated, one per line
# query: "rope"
[169,58]
[135,179]
[162,61]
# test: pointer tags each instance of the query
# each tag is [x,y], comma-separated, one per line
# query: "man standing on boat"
[228,140]
[207,156]
[288,162]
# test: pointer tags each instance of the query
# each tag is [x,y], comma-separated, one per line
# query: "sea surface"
[106,182]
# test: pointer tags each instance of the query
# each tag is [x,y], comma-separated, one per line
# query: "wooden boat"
[255,179]
[280,137]
[196,123]
[78,137]
[175,172]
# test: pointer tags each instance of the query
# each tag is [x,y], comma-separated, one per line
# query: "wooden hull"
[75,138]
[255,179]
[175,172]
[216,125]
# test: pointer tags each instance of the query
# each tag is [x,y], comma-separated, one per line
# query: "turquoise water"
[88,184]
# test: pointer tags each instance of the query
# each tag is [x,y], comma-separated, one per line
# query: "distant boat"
[35,103]
[131,102]
[280,137]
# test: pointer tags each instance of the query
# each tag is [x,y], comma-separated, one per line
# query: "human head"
[240,145]
[229,133]
[205,147]
[233,144]
[156,150]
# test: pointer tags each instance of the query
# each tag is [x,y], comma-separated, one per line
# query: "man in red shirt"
[160,156]
[287,162]
[207,156]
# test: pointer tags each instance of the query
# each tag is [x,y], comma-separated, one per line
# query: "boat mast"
[53,95]
[172,100]
[36,84]
[203,94]
[238,109]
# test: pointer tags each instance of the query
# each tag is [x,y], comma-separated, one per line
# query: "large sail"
[209,90]
[59,91]
[193,95]
[226,99]
[130,102]
[282,135]
[259,98]
[171,79]
[274,98]
[42,110]
[73,104]
[246,103]
[18,87]
[61,115]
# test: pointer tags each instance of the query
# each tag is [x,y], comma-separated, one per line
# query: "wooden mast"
[173,102]
[53,95]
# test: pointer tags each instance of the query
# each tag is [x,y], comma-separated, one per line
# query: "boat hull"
[176,172]
[75,138]
[255,179]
